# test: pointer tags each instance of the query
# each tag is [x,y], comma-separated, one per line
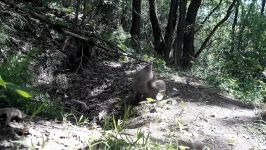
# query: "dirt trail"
[193,114]
[202,119]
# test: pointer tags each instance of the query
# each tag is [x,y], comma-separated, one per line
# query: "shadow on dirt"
[203,94]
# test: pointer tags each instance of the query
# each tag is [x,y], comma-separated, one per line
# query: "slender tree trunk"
[66,3]
[188,47]
[209,15]
[77,12]
[136,24]
[206,41]
[171,25]
[124,20]
[180,33]
[242,26]
[263,2]
[156,28]
[234,26]
[241,44]
[84,12]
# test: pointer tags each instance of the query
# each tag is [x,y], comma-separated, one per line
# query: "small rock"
[153,110]
[169,102]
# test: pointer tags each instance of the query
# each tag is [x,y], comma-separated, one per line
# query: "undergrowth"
[16,78]
[244,88]
[114,137]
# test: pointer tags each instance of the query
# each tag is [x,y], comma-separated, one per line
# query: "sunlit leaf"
[23,93]
[260,67]
[231,142]
[183,147]
[2,82]
[149,100]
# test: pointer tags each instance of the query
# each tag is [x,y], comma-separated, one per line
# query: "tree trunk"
[136,24]
[77,12]
[84,12]
[188,47]
[240,42]
[124,18]
[159,43]
[180,33]
[262,7]
[66,3]
[171,25]
[234,27]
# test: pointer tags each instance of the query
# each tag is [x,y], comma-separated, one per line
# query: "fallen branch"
[92,38]
[65,43]
[82,103]
[81,59]
[123,52]
[61,28]
[75,35]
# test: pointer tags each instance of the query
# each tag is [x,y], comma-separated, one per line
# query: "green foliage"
[140,140]
[111,123]
[246,64]
[15,96]
[113,141]
[43,105]
[5,87]
[119,38]
[114,137]
[15,69]
[81,120]
[15,82]
[238,69]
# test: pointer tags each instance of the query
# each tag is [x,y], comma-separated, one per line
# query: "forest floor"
[192,114]
[197,117]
